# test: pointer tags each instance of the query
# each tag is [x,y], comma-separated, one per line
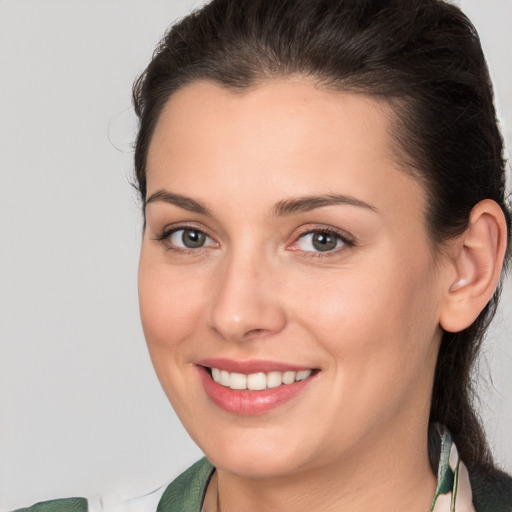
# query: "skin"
[365,314]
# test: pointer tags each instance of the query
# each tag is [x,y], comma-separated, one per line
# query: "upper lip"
[251,366]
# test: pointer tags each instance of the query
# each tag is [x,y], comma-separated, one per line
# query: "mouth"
[259,380]
[252,388]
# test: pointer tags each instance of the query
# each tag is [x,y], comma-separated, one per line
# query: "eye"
[188,238]
[319,241]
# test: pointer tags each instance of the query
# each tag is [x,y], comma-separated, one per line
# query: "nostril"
[255,333]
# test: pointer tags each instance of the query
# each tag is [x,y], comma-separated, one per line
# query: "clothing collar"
[453,492]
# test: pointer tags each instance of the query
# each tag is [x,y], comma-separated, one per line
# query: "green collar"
[186,493]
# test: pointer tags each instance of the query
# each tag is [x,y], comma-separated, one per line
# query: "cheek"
[390,290]
[378,324]
[171,307]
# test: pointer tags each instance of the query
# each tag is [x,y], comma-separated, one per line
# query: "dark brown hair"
[424,58]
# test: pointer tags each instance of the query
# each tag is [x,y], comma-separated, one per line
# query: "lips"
[252,387]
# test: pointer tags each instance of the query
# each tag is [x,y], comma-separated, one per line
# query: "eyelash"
[347,241]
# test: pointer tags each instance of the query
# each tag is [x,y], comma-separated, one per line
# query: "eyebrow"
[187,203]
[308,203]
[280,209]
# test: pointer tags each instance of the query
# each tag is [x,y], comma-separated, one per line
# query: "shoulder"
[184,494]
[492,491]
[64,505]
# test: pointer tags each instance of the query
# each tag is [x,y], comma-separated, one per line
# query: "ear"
[476,260]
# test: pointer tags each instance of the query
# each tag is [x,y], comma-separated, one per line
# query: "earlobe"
[477,261]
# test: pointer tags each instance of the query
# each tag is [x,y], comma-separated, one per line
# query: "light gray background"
[81,412]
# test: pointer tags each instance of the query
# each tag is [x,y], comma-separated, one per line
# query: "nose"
[245,304]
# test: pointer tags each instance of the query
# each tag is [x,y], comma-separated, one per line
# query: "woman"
[325,231]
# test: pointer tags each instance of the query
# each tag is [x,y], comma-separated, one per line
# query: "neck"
[385,476]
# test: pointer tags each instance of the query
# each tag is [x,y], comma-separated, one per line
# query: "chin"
[254,466]
[256,458]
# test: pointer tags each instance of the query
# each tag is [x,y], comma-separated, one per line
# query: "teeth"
[303,374]
[237,381]
[257,381]
[274,379]
[289,377]
[224,378]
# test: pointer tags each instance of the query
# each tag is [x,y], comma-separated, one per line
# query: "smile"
[257,381]
[256,387]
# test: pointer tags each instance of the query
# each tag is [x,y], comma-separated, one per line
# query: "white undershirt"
[147,503]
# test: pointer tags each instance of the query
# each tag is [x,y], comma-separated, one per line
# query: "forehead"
[293,107]
[289,136]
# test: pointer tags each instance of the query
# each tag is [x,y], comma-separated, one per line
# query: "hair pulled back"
[423,58]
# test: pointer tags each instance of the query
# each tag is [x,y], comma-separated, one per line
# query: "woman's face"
[284,243]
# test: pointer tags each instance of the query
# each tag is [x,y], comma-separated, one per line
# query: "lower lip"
[250,403]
